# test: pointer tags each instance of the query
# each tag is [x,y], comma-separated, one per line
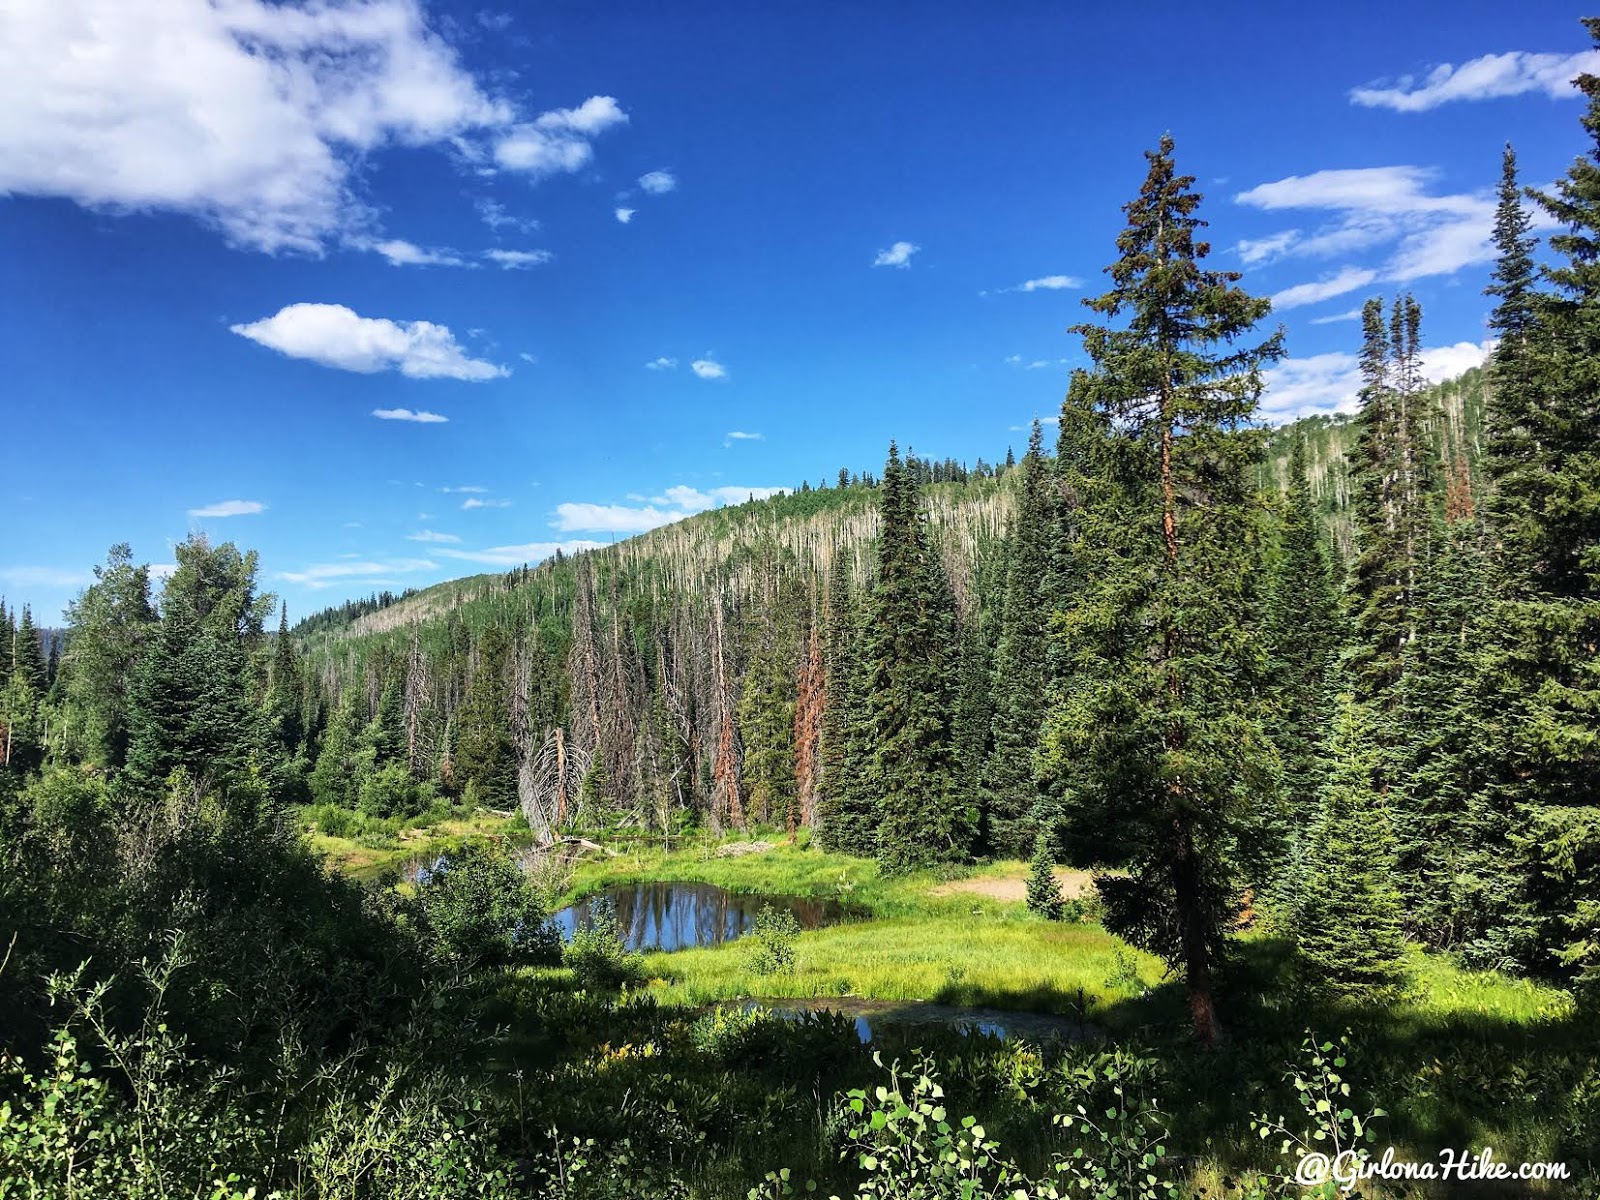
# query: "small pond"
[872,1015]
[678,916]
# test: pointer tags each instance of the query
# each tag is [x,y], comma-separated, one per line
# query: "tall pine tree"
[1161,720]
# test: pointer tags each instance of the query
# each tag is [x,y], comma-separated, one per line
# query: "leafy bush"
[769,946]
[479,910]
[391,791]
[598,956]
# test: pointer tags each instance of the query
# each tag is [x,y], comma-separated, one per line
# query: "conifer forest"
[1132,815]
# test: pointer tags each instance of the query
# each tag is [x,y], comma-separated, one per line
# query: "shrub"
[390,791]
[598,956]
[770,942]
[480,910]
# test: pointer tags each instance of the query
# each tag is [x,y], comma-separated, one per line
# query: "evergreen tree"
[1541,668]
[1160,723]
[1302,634]
[27,656]
[107,626]
[847,813]
[192,705]
[484,755]
[1044,889]
[908,677]
[336,778]
[1347,924]
[1391,477]
[1019,680]
[974,716]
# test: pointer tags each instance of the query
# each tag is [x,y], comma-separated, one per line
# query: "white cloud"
[1260,250]
[321,575]
[658,183]
[558,141]
[476,502]
[740,436]
[44,577]
[250,115]
[254,116]
[1347,280]
[1374,206]
[1047,283]
[674,504]
[1493,75]
[1331,383]
[531,359]
[516,259]
[229,508]
[897,255]
[432,535]
[406,254]
[1321,383]
[470,489]
[406,414]
[496,217]
[625,215]
[334,336]
[708,368]
[661,364]
[1446,362]
[1350,314]
[515,556]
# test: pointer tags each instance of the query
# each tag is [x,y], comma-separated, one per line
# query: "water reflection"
[676,916]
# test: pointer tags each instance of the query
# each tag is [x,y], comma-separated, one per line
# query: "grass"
[369,846]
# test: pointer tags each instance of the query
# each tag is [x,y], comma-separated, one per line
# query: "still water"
[677,916]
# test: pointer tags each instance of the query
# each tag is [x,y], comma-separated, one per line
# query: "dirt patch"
[1074,884]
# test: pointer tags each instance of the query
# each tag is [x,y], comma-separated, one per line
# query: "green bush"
[479,910]
[391,791]
[769,946]
[597,955]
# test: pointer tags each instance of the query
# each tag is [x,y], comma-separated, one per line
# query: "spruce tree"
[1303,634]
[484,754]
[1044,889]
[1019,682]
[1161,722]
[908,681]
[336,778]
[847,812]
[1541,667]
[1347,923]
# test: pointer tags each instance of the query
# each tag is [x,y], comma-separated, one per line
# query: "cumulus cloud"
[661,364]
[558,141]
[1514,73]
[432,535]
[229,508]
[897,255]
[478,502]
[740,436]
[1376,206]
[652,512]
[625,215]
[708,368]
[251,115]
[512,260]
[1331,383]
[406,414]
[1347,280]
[334,336]
[527,552]
[658,183]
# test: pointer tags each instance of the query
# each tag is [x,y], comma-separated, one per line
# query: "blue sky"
[629,261]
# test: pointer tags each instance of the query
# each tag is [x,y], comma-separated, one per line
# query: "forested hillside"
[1316,707]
